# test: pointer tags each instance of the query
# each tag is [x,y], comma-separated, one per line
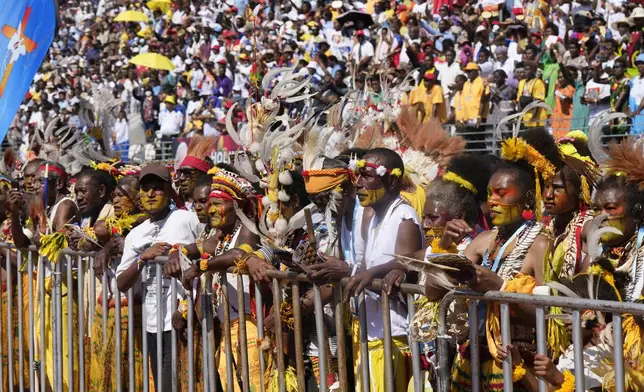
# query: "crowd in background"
[472,63]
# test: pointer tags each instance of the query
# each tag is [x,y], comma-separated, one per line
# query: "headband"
[356,165]
[455,178]
[218,194]
[317,181]
[60,172]
[196,163]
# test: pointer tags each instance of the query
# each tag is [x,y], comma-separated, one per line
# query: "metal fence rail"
[72,298]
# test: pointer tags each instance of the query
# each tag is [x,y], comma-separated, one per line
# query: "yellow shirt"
[536,89]
[473,93]
[435,97]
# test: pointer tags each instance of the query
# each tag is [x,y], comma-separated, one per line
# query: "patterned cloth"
[254,373]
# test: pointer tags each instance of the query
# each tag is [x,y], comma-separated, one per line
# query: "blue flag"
[27,29]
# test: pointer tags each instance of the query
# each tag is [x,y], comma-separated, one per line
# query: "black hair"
[555,29]
[469,167]
[100,177]
[203,179]
[330,163]
[391,159]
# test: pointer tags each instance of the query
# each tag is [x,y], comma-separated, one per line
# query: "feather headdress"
[627,158]
[199,148]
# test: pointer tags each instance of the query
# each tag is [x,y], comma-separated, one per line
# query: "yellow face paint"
[368,197]
[618,222]
[124,206]
[434,233]
[504,214]
[153,203]
[217,215]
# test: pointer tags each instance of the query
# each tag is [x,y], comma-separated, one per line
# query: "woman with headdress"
[110,233]
[232,209]
[510,256]
[567,201]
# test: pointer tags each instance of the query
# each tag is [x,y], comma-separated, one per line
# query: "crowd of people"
[337,111]
[473,64]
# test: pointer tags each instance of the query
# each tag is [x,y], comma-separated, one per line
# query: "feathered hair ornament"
[627,159]
[199,148]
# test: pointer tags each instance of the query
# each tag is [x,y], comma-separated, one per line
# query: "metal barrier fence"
[67,279]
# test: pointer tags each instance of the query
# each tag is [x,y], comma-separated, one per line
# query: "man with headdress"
[197,161]
[394,229]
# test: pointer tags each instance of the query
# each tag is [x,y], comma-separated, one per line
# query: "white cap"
[337,4]
[480,28]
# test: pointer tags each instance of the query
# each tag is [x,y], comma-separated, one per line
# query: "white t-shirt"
[381,243]
[447,75]
[121,131]
[597,91]
[361,52]
[179,227]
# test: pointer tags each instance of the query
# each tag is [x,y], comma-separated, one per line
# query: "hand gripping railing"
[577,305]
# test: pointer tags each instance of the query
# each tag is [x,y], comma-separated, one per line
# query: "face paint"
[124,206]
[616,221]
[433,233]
[504,214]
[153,203]
[217,215]
[368,197]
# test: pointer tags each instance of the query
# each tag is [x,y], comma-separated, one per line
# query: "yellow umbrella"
[131,16]
[152,60]
[162,5]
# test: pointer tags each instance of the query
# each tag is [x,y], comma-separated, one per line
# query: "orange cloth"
[562,113]
[317,181]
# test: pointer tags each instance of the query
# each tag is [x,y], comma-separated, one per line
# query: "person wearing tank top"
[394,229]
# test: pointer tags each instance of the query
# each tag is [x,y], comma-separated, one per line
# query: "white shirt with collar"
[170,122]
[179,227]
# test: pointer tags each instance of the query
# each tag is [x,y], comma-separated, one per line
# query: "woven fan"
[447,271]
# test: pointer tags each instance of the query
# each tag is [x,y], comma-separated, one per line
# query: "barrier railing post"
[92,298]
[81,323]
[160,327]
[191,343]
[618,352]
[131,314]
[386,323]
[541,341]
[474,345]
[21,354]
[204,339]
[210,329]
[70,321]
[277,295]
[58,327]
[104,305]
[227,338]
[9,321]
[259,305]
[241,312]
[506,339]
[30,316]
[340,335]
[173,333]
[297,330]
[117,336]
[578,346]
[320,332]
[41,294]
[144,336]
[364,341]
